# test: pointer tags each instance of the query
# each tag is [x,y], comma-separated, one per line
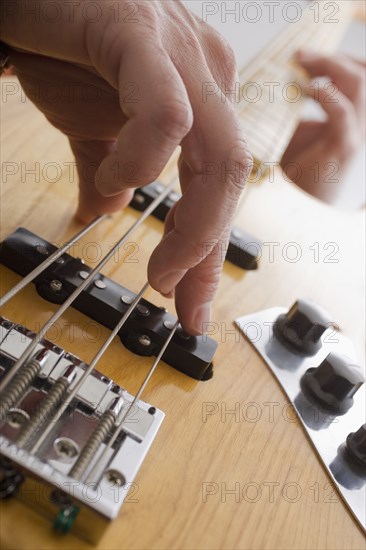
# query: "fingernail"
[167,283]
[202,318]
[106,186]
[170,295]
[108,190]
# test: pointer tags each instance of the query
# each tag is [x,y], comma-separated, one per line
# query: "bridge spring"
[48,406]
[96,439]
[18,386]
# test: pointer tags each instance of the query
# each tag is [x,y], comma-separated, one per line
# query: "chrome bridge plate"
[46,484]
[327,432]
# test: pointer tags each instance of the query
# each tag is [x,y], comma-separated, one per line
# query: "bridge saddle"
[53,478]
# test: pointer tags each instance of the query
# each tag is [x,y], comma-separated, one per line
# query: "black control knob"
[334,383]
[301,328]
[356,445]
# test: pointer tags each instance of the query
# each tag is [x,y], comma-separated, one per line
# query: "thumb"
[88,156]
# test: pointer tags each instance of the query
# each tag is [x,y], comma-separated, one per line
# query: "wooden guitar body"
[231,466]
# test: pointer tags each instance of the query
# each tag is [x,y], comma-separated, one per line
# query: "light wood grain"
[170,512]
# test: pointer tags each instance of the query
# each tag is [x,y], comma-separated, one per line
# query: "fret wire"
[270,112]
[49,260]
[97,466]
[90,368]
[252,116]
[38,337]
[275,112]
[265,137]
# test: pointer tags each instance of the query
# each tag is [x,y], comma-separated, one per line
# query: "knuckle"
[230,58]
[194,249]
[149,14]
[345,111]
[355,75]
[357,81]
[240,166]
[348,145]
[192,42]
[173,119]
[208,280]
[223,54]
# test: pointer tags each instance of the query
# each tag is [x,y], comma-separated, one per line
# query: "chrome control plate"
[327,432]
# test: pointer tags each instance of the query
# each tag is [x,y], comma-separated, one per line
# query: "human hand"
[149,69]
[320,152]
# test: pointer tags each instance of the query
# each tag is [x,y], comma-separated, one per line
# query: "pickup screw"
[140,199]
[100,284]
[42,249]
[142,310]
[56,285]
[144,340]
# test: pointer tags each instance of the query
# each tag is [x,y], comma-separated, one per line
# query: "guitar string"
[282,43]
[285,48]
[49,260]
[68,302]
[98,465]
[103,348]
[280,49]
[278,46]
[286,52]
[90,367]
[81,287]
[294,30]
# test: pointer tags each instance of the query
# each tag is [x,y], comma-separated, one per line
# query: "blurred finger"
[342,120]
[88,156]
[342,71]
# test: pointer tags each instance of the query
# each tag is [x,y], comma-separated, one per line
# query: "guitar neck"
[271,89]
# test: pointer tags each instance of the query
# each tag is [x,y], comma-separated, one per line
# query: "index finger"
[214,166]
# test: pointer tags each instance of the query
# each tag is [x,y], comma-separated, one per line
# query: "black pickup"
[243,250]
[105,301]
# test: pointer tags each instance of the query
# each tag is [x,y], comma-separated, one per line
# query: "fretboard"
[271,95]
